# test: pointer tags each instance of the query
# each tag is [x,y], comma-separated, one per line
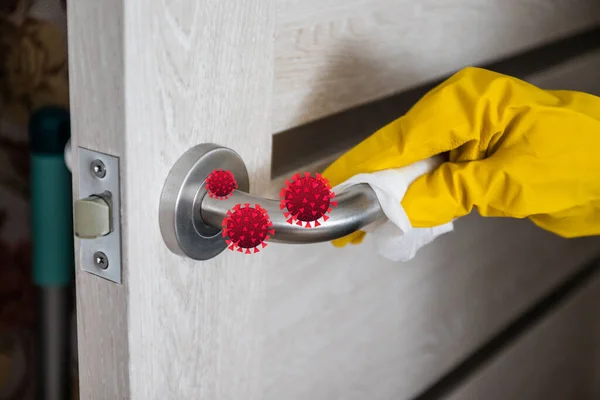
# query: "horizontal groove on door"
[318,141]
[511,333]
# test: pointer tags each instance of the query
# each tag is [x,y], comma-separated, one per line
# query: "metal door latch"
[97,216]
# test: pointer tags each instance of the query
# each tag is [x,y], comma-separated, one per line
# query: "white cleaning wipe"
[395,237]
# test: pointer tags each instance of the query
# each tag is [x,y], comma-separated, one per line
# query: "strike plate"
[101,256]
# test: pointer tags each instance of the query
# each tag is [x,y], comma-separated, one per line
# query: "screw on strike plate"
[98,169]
[100,260]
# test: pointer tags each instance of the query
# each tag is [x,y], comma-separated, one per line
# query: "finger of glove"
[451,191]
[353,238]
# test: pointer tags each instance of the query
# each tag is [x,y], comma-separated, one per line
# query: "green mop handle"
[53,254]
[51,198]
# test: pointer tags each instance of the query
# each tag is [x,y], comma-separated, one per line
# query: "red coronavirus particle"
[307,199]
[247,227]
[220,184]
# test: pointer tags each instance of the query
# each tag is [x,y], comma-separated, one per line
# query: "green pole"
[53,254]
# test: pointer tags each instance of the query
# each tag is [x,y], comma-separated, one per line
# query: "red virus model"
[247,228]
[306,199]
[220,184]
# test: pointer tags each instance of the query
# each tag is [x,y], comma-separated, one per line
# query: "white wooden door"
[152,78]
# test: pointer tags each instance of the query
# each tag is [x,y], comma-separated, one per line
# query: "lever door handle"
[191,221]
[357,207]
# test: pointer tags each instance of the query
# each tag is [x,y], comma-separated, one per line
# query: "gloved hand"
[514,151]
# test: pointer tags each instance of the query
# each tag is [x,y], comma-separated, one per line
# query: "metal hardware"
[98,169]
[93,216]
[68,155]
[357,207]
[181,224]
[100,260]
[99,178]
[191,222]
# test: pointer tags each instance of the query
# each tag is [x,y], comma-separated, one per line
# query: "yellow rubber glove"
[514,151]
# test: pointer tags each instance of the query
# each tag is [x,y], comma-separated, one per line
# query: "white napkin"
[395,238]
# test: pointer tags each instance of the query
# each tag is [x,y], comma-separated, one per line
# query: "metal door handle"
[357,207]
[191,221]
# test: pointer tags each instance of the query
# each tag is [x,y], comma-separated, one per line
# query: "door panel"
[558,359]
[349,324]
[98,115]
[195,71]
[331,55]
[151,79]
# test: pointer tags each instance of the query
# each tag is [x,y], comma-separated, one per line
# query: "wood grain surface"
[152,78]
[345,324]
[149,80]
[559,359]
[334,54]
[195,71]
[97,91]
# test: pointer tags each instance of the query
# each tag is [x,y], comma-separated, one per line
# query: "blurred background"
[33,78]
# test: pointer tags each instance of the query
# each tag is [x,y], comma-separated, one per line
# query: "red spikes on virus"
[247,227]
[220,184]
[307,199]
